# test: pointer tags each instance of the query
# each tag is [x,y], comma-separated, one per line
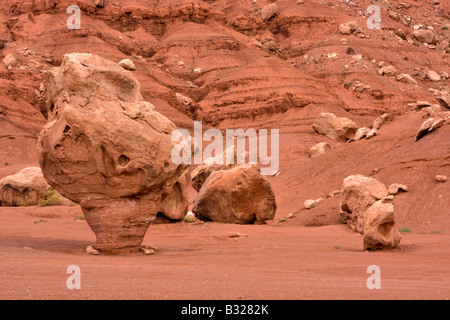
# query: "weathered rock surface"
[348,27]
[428,126]
[24,188]
[269,11]
[406,78]
[380,121]
[389,71]
[127,64]
[239,195]
[379,226]
[319,149]
[203,171]
[395,188]
[106,148]
[367,208]
[358,194]
[335,127]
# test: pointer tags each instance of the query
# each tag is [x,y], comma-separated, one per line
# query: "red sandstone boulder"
[239,195]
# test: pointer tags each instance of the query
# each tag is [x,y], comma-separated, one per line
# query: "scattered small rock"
[127,64]
[406,78]
[319,149]
[348,27]
[269,11]
[380,121]
[372,133]
[429,126]
[147,250]
[237,235]
[389,71]
[309,204]
[433,76]
[395,188]
[441,178]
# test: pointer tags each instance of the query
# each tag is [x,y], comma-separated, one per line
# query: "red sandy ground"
[201,261]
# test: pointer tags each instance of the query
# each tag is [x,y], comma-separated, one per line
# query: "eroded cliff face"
[229,65]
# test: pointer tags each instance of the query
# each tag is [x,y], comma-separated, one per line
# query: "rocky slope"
[232,64]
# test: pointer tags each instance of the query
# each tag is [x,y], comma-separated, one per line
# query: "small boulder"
[127,64]
[441,178]
[379,226]
[319,149]
[348,27]
[424,36]
[100,3]
[372,133]
[389,71]
[239,195]
[269,11]
[24,188]
[380,121]
[428,126]
[334,127]
[309,204]
[433,76]
[395,188]
[203,171]
[361,133]
[406,78]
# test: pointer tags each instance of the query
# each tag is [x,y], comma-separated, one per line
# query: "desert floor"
[201,261]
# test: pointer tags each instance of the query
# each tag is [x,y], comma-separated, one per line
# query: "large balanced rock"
[239,195]
[24,188]
[107,149]
[358,194]
[379,227]
[334,127]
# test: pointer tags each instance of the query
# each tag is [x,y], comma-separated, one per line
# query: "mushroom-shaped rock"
[106,148]
[379,227]
[358,194]
[239,195]
[335,127]
[24,188]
